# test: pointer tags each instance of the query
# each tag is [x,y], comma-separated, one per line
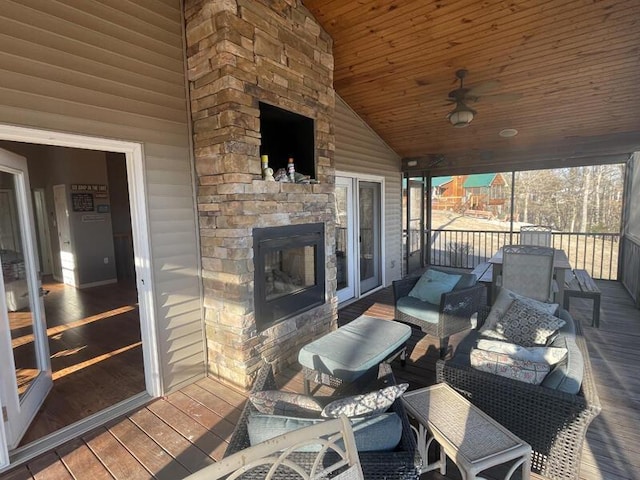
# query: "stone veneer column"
[241,52]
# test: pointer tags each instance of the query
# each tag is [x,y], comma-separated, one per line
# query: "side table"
[468,436]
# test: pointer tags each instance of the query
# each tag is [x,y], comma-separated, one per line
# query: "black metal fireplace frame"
[269,313]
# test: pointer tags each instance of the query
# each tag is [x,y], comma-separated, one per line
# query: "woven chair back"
[535,235]
[337,456]
[528,270]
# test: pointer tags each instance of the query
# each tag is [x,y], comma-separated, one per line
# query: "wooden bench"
[581,285]
[483,272]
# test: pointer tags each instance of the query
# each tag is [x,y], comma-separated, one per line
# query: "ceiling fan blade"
[483,87]
[501,97]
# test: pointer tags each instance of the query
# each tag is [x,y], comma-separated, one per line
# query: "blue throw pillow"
[432,284]
[374,433]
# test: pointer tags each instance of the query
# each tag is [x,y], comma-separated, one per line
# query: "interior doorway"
[99,330]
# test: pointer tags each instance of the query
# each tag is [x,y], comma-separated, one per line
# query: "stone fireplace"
[243,55]
[289,273]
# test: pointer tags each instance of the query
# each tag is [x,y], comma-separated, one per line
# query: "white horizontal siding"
[360,151]
[175,259]
[114,69]
[633,222]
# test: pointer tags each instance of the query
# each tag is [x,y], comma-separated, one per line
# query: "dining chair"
[535,235]
[528,270]
[333,440]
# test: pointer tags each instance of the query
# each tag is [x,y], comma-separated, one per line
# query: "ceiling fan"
[462,114]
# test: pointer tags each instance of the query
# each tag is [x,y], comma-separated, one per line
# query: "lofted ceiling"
[563,73]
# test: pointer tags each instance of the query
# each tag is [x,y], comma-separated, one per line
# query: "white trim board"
[134,155]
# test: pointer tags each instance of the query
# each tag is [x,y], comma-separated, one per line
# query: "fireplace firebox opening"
[289,271]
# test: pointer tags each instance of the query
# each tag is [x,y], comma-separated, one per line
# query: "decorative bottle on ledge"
[291,169]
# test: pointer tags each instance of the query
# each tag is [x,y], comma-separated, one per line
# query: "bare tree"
[586,196]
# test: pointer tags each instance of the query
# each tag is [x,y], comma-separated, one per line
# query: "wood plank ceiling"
[564,73]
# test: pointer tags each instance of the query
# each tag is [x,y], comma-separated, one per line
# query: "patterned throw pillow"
[275,402]
[365,404]
[550,355]
[505,366]
[504,300]
[526,325]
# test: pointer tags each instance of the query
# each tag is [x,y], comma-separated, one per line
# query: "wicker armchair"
[553,422]
[451,316]
[403,463]
[336,458]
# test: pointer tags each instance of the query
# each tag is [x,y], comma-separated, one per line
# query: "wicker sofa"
[552,421]
[403,463]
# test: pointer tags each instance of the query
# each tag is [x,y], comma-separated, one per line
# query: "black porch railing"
[595,252]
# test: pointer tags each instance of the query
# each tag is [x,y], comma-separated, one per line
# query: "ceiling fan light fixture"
[461,116]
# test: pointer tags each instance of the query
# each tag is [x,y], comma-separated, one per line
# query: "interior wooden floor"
[179,434]
[96,353]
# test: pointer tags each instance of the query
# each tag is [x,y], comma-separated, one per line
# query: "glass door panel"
[369,196]
[345,239]
[25,371]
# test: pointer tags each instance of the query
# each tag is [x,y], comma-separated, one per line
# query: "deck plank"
[189,428]
[49,466]
[81,461]
[151,455]
[210,420]
[185,452]
[114,456]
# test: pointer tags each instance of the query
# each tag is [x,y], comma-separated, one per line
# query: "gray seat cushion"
[418,309]
[373,433]
[354,349]
[567,375]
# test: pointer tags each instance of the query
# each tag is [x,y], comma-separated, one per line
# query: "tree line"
[578,199]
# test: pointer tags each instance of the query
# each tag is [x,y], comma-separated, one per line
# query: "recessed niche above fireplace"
[289,271]
[286,134]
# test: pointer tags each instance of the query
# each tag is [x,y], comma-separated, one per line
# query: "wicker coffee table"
[469,437]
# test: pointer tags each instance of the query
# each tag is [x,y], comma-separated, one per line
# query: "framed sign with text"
[82,202]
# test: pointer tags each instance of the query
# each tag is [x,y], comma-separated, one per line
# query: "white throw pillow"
[365,404]
[505,366]
[551,355]
[504,300]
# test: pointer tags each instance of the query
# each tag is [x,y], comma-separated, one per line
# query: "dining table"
[560,266]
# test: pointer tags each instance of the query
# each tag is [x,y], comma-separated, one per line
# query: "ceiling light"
[461,116]
[508,132]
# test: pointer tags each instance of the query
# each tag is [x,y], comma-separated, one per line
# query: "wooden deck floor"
[187,430]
